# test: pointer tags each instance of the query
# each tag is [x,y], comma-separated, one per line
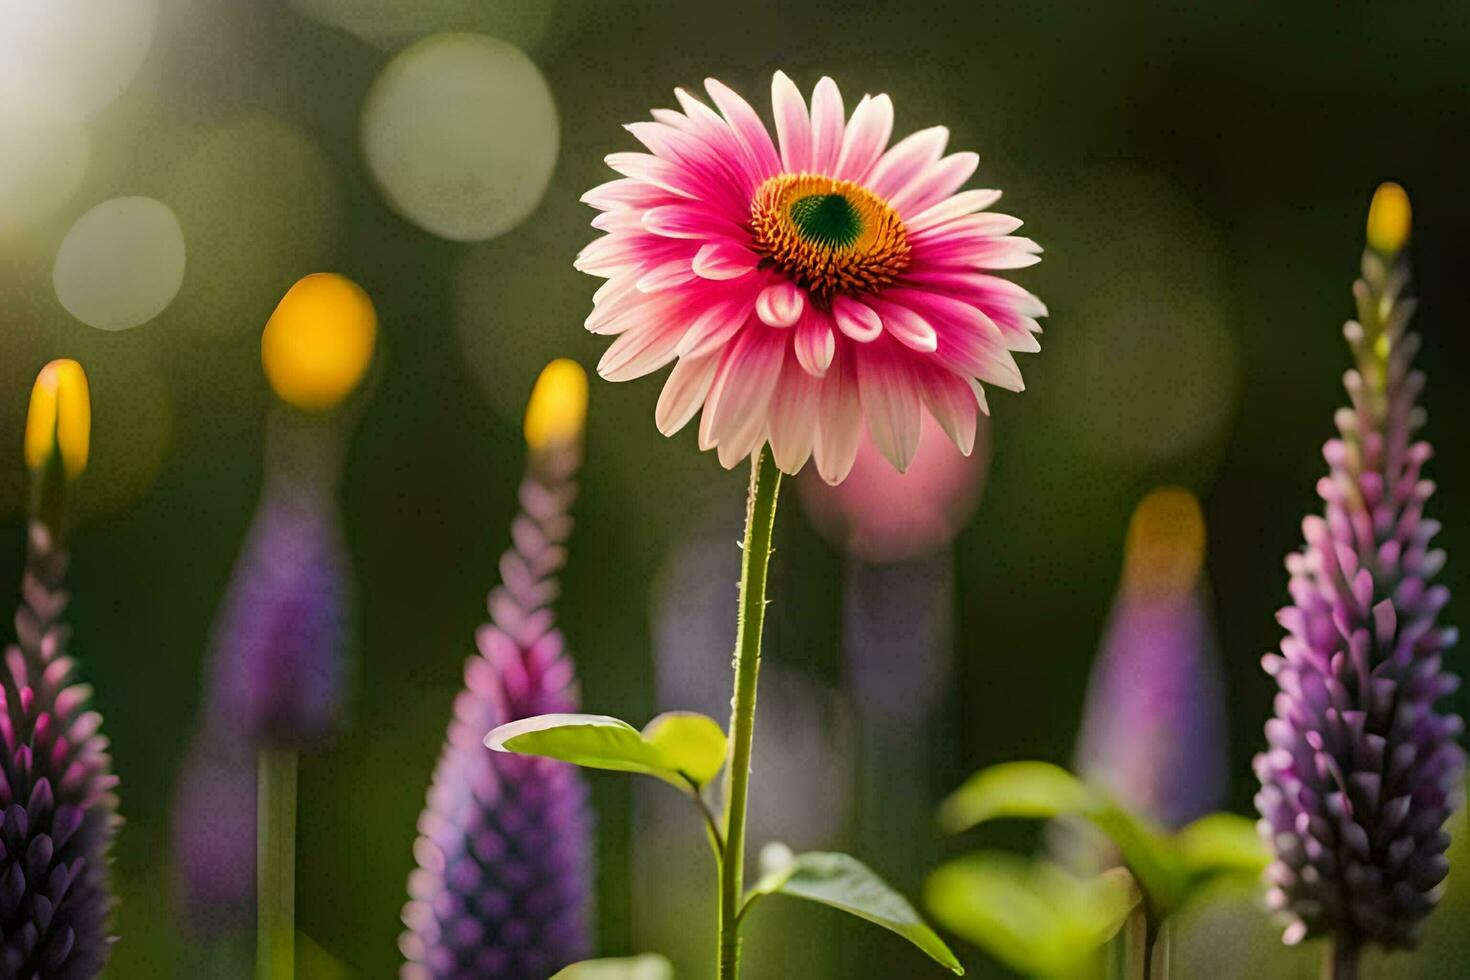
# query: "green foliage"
[1169,869]
[650,966]
[1034,917]
[842,882]
[1037,790]
[680,747]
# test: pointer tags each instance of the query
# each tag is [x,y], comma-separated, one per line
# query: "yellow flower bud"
[1166,543]
[557,410]
[319,342]
[1389,218]
[59,420]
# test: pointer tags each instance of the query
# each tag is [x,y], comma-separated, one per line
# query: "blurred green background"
[1197,173]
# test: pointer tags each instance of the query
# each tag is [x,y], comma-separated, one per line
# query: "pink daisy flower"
[805,287]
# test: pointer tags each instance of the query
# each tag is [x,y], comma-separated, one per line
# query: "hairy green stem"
[760,518]
[275,864]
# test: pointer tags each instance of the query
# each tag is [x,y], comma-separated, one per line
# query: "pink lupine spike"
[503,884]
[1362,769]
[56,793]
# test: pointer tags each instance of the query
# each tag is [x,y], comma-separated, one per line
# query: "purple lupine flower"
[278,642]
[214,836]
[56,792]
[1152,732]
[277,668]
[503,883]
[58,801]
[1362,769]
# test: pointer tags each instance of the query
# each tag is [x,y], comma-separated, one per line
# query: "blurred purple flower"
[276,670]
[214,835]
[56,791]
[503,886]
[278,642]
[1153,733]
[1362,771]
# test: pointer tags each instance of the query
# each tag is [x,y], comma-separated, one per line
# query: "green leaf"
[1042,791]
[1032,916]
[1223,843]
[647,967]
[678,747]
[1149,853]
[844,883]
[1036,790]
[690,743]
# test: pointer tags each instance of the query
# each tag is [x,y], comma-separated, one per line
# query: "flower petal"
[625,193]
[866,135]
[793,128]
[747,126]
[827,126]
[666,276]
[639,352]
[684,392]
[724,260]
[735,411]
[793,416]
[815,342]
[935,184]
[952,402]
[689,221]
[891,403]
[908,327]
[856,320]
[839,422]
[963,203]
[713,328]
[906,161]
[780,304]
[658,173]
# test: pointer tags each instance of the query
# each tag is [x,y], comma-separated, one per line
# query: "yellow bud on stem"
[319,342]
[1389,219]
[1165,551]
[557,411]
[59,421]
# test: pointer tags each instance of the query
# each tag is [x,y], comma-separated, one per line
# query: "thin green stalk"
[1136,944]
[275,864]
[1161,953]
[1340,959]
[760,518]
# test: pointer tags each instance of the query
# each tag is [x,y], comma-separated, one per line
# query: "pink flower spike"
[806,284]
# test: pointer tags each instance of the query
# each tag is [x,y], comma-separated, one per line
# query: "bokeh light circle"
[63,61]
[121,263]
[461,134]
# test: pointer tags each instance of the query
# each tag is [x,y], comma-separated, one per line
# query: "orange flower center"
[829,235]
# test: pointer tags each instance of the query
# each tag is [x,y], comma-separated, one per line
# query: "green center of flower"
[828,235]
[829,220]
